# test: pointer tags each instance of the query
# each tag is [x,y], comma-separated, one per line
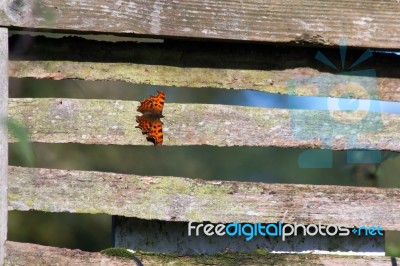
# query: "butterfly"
[152,127]
[150,122]
[153,104]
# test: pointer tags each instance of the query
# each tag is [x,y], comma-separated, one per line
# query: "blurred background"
[270,165]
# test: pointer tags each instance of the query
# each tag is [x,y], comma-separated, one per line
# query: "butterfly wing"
[152,127]
[153,105]
[144,123]
[150,123]
[156,133]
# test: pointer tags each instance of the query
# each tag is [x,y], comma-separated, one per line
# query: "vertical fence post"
[3,140]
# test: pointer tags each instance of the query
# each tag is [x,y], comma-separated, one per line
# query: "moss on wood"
[113,122]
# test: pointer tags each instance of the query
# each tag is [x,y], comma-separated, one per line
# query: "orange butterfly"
[153,104]
[150,122]
[152,127]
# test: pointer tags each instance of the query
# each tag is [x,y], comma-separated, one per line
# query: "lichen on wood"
[113,122]
[183,199]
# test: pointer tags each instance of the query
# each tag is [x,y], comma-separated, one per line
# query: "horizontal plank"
[315,22]
[183,199]
[113,122]
[199,64]
[32,254]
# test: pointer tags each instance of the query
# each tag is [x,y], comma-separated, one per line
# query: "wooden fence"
[180,61]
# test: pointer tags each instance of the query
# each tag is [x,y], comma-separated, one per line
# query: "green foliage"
[392,243]
[388,171]
[68,230]
[23,147]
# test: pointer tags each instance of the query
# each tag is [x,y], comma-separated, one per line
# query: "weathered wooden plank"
[31,254]
[113,122]
[198,65]
[315,22]
[3,139]
[183,199]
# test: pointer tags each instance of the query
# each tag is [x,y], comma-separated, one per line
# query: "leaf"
[24,147]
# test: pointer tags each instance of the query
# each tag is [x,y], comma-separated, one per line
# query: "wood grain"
[182,199]
[31,254]
[3,138]
[371,23]
[261,80]
[113,122]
